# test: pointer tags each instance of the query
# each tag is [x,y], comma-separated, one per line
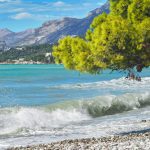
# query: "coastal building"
[49,57]
[19,48]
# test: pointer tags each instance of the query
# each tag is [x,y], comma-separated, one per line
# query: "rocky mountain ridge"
[51,31]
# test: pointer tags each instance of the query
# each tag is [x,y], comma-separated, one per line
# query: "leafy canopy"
[117,41]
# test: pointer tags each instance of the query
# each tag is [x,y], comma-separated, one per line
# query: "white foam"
[33,120]
[105,126]
[42,120]
[115,84]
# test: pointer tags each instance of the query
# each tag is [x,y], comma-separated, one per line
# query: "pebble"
[130,141]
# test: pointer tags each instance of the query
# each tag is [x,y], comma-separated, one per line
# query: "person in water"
[127,77]
[131,76]
[138,78]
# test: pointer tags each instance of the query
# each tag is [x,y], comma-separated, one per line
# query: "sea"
[47,103]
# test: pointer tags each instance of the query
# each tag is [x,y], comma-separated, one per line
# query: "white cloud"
[4,0]
[23,15]
[9,1]
[58,4]
[17,10]
[26,15]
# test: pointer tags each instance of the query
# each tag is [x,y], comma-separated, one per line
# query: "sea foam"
[43,119]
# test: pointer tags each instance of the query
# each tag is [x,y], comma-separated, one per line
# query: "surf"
[43,119]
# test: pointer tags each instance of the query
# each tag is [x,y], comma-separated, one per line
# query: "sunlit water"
[44,103]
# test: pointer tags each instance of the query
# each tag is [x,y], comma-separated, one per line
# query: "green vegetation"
[117,41]
[34,53]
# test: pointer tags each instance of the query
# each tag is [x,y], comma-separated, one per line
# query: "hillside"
[36,53]
[52,30]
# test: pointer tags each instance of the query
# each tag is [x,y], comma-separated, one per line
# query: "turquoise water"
[30,85]
[43,103]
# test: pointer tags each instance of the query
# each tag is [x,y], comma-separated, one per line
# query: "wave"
[36,120]
[121,83]
[109,105]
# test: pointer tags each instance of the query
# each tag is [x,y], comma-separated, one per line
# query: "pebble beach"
[131,141]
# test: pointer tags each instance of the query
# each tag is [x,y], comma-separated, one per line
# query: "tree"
[75,54]
[120,7]
[139,16]
[117,41]
[139,10]
[114,42]
[143,30]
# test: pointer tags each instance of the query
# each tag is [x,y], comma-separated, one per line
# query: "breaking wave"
[36,120]
[120,83]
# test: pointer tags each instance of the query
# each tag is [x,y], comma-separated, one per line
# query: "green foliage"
[74,53]
[143,30]
[139,10]
[34,53]
[96,22]
[120,7]
[118,41]
[63,52]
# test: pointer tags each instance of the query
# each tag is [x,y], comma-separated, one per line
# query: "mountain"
[51,31]
[4,33]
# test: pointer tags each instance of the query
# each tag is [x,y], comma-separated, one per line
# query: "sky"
[19,15]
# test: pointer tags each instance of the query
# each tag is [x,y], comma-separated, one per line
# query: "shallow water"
[43,103]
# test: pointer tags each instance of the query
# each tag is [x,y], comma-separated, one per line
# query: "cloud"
[9,1]
[4,1]
[17,10]
[26,15]
[23,15]
[58,4]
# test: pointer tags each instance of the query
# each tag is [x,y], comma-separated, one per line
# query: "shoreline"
[26,63]
[132,140]
[22,63]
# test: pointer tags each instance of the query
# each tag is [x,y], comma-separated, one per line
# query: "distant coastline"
[35,54]
[22,63]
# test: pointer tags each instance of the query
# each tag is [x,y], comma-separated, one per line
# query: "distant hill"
[52,30]
[37,53]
